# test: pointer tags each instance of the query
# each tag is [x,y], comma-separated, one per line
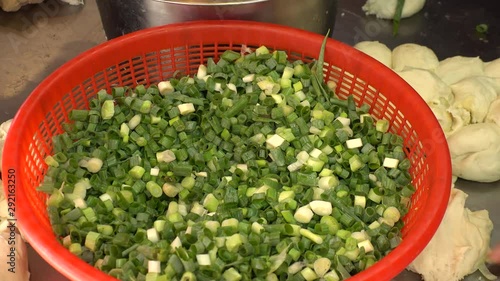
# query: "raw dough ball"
[494,112]
[385,9]
[492,68]
[475,94]
[460,118]
[4,128]
[459,245]
[456,68]
[15,5]
[413,55]
[428,86]
[443,116]
[475,153]
[376,50]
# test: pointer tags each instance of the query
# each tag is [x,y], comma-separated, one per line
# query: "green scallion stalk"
[397,16]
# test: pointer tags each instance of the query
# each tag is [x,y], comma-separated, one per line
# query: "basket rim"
[71,266]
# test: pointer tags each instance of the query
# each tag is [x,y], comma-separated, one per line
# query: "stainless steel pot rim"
[211,2]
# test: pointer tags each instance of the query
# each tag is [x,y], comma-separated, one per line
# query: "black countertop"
[448,27]
[40,38]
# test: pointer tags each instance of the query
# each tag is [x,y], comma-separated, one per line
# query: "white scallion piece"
[308,274]
[206,78]
[176,243]
[367,245]
[314,130]
[360,201]
[296,267]
[94,165]
[165,87]
[155,171]
[257,227]
[134,121]
[386,221]
[360,235]
[295,166]
[165,156]
[248,78]
[186,108]
[154,266]
[315,153]
[303,214]
[287,194]
[153,235]
[198,209]
[104,197]
[321,208]
[302,156]
[202,174]
[332,85]
[390,162]
[321,266]
[288,72]
[301,95]
[275,141]
[212,226]
[203,259]
[363,116]
[331,276]
[354,143]
[80,203]
[344,120]
[242,167]
[392,213]
[202,71]
[374,225]
[277,98]
[317,193]
[218,87]
[231,87]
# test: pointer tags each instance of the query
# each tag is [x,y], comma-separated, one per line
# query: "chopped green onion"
[321,208]
[252,169]
[482,28]
[303,214]
[108,110]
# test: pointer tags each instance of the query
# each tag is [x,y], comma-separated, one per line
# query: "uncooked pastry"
[385,9]
[413,55]
[376,50]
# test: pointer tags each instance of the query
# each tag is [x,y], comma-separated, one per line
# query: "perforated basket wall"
[153,55]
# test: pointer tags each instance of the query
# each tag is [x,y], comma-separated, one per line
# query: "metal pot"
[124,16]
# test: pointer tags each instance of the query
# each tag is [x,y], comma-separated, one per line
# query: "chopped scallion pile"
[251,169]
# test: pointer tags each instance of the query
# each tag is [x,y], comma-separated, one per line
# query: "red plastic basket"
[153,55]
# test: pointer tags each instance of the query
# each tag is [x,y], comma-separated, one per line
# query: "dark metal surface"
[124,16]
[40,38]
